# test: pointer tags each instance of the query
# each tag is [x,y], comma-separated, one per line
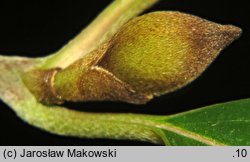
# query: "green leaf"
[220,124]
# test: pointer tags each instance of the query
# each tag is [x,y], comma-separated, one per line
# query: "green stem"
[59,120]
[99,31]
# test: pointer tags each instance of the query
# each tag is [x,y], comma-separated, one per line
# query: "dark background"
[38,28]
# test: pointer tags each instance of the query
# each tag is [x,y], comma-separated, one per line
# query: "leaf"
[220,124]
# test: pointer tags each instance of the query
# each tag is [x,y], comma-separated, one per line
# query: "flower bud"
[150,55]
[162,51]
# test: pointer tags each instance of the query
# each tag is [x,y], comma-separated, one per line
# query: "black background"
[38,28]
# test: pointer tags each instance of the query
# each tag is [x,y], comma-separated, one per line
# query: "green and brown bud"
[160,52]
[150,55]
